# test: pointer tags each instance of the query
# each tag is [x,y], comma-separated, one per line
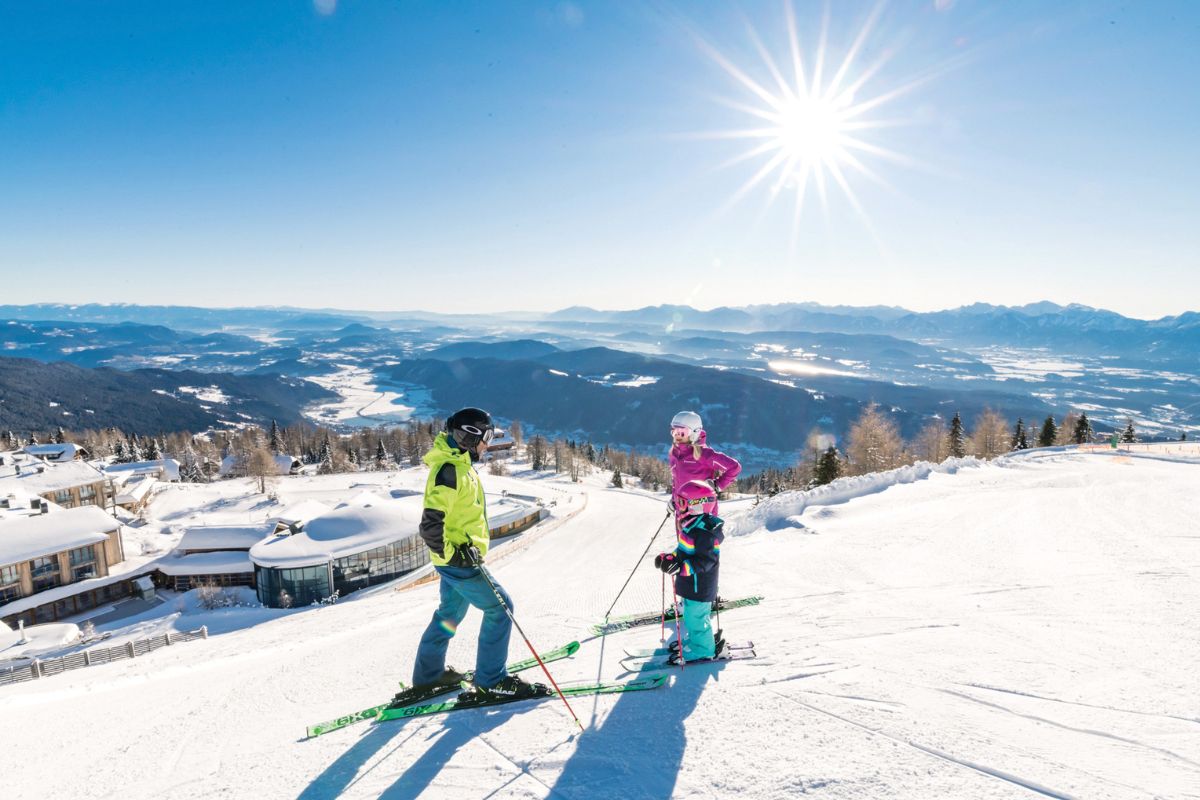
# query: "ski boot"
[448,681]
[507,690]
[720,653]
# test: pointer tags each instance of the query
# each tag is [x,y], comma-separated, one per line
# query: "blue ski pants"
[461,588]
[699,641]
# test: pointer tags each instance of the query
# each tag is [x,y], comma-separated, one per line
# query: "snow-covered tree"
[60,436]
[326,459]
[617,483]
[1019,439]
[957,438]
[1048,434]
[1129,435]
[153,450]
[276,440]
[382,459]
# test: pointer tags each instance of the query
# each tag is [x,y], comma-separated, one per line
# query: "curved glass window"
[286,588]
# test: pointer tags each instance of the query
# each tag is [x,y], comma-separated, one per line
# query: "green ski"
[570,690]
[649,618]
[566,651]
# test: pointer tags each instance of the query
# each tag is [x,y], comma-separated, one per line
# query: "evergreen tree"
[134,450]
[1019,440]
[60,436]
[829,467]
[121,452]
[537,452]
[1183,436]
[326,457]
[1049,433]
[153,453]
[617,483]
[276,442]
[381,456]
[957,437]
[8,440]
[1129,436]
[1083,430]
[33,439]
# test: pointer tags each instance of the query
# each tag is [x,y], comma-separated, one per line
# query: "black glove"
[668,563]
[466,555]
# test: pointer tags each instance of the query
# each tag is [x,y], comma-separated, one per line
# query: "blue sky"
[470,156]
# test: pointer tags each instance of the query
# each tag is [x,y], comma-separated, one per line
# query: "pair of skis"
[650,618]
[416,706]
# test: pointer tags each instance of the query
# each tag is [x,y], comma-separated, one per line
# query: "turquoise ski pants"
[698,641]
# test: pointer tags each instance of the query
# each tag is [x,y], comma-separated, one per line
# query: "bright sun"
[810,125]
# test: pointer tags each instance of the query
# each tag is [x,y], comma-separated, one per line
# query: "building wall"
[107,553]
[97,494]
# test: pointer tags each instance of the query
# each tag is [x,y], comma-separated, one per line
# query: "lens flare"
[812,120]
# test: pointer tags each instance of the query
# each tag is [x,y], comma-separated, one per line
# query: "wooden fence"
[41,668]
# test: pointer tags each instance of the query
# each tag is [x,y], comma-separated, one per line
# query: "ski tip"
[572,648]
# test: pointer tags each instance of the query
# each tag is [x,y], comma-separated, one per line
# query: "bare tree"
[259,463]
[931,443]
[991,435]
[874,444]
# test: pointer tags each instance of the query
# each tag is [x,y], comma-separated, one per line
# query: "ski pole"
[638,564]
[487,577]
[662,634]
[679,629]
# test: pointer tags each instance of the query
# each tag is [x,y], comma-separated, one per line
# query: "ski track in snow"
[1008,630]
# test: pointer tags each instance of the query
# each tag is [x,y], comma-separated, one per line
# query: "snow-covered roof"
[300,513]
[348,530]
[27,538]
[361,500]
[503,510]
[55,452]
[134,489]
[41,478]
[283,464]
[168,467]
[225,537]
[221,562]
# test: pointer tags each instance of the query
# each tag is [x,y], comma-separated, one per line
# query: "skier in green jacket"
[454,526]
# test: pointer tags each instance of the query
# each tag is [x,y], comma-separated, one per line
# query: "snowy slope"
[1015,629]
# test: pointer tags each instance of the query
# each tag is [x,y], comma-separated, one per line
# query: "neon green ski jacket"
[454,504]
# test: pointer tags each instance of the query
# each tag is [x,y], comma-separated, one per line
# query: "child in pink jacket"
[693,460]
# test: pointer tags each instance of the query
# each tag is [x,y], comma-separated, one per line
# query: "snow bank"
[784,509]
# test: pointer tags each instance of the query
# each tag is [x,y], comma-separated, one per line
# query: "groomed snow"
[1018,629]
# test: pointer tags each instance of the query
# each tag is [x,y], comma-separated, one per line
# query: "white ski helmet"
[689,420]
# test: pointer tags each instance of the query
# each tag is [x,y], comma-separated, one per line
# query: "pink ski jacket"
[711,466]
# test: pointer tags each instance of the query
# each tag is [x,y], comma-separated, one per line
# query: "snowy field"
[364,401]
[1024,628]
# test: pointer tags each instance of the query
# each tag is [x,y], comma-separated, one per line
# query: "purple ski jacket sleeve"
[711,466]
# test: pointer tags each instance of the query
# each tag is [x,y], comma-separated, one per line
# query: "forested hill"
[39,396]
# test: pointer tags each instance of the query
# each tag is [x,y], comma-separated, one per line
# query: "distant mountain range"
[769,373]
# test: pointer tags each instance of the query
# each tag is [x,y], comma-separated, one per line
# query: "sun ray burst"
[820,129]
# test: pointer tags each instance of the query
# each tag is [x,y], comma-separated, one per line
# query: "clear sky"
[535,155]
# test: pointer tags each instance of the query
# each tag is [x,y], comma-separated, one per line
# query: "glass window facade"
[284,588]
[45,573]
[10,574]
[83,555]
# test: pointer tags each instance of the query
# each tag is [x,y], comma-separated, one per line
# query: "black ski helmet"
[470,426]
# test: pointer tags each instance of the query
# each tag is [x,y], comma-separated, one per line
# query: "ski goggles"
[680,430]
[486,435]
